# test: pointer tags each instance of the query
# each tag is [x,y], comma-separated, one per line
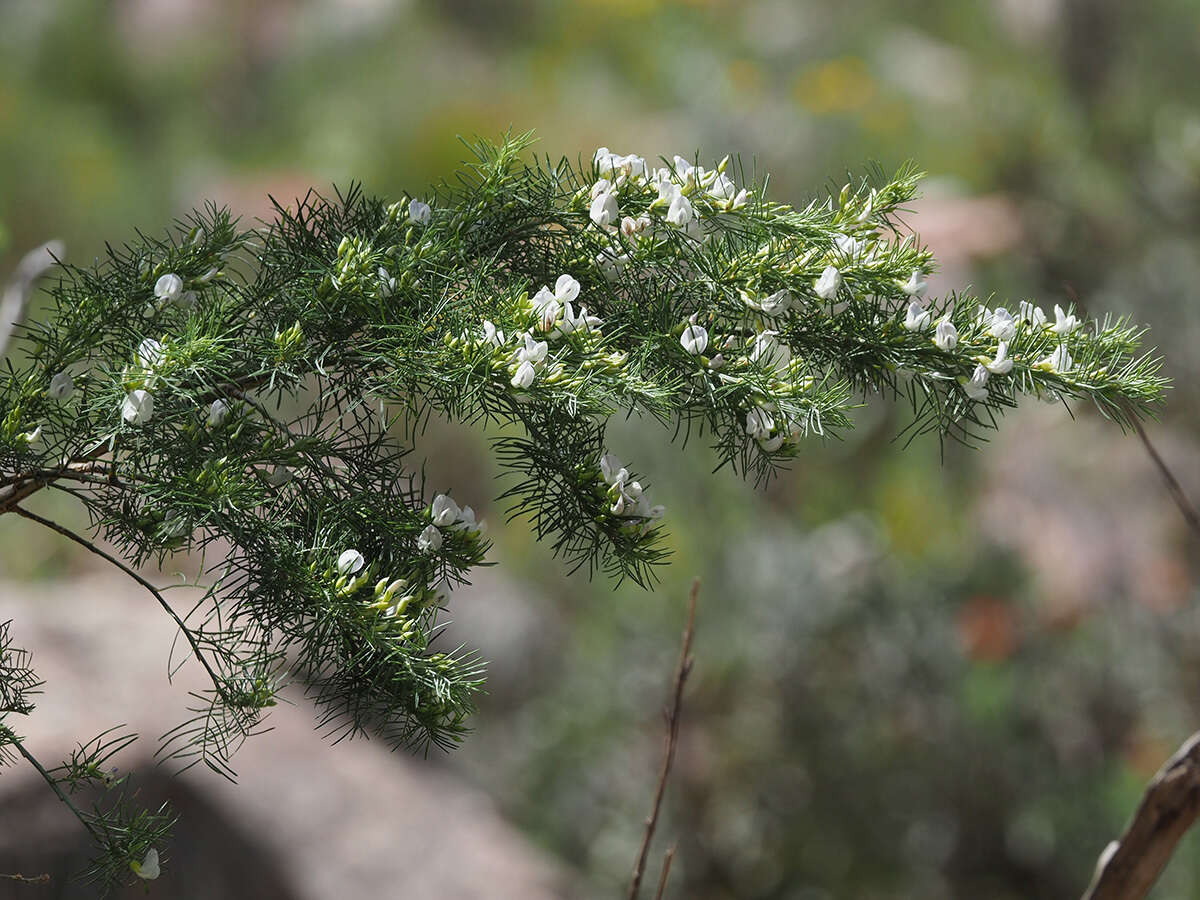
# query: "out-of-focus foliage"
[892,698]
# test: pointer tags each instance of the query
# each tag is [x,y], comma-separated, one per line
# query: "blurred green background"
[924,672]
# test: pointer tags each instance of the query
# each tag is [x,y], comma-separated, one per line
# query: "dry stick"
[681,674]
[33,265]
[666,873]
[1177,493]
[1128,867]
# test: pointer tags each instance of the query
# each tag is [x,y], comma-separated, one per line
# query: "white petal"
[350,562]
[694,339]
[168,288]
[566,289]
[138,407]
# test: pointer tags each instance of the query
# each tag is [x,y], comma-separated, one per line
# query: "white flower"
[918,317]
[759,423]
[524,375]
[32,438]
[770,351]
[827,285]
[915,286]
[138,407]
[1003,326]
[722,187]
[218,412]
[62,386]
[566,289]
[149,353]
[466,521]
[278,476]
[387,282]
[740,200]
[694,339]
[533,351]
[1001,365]
[1063,324]
[976,388]
[571,322]
[946,335]
[186,300]
[1032,313]
[350,562]
[1058,361]
[491,335]
[681,211]
[612,266]
[445,511]
[148,868]
[771,444]
[603,186]
[429,540]
[419,213]
[717,361]
[604,209]
[775,304]
[612,470]
[168,288]
[848,246]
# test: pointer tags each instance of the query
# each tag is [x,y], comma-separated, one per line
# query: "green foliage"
[251,396]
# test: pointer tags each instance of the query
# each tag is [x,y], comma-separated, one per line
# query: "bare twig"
[1128,867]
[666,873]
[672,738]
[26,879]
[1177,493]
[33,265]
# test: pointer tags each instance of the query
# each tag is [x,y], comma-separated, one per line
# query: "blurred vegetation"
[894,695]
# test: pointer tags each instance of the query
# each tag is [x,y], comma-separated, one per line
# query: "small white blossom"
[827,285]
[603,186]
[218,412]
[524,375]
[604,209]
[444,511]
[1001,365]
[916,285]
[492,335]
[62,386]
[681,211]
[1032,313]
[168,288]
[148,868]
[1063,324]
[775,304]
[32,438]
[1058,361]
[917,318]
[429,540]
[770,351]
[694,339]
[1003,326]
[946,335]
[759,423]
[976,387]
[571,323]
[612,266]
[419,213]
[467,522]
[387,282]
[566,289]
[740,200]
[350,562]
[717,361]
[848,246]
[773,443]
[149,353]
[138,407]
[533,351]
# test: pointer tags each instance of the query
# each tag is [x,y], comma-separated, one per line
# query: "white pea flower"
[631,226]
[149,353]
[1063,324]
[612,266]
[278,476]
[612,470]
[419,213]
[742,198]
[694,339]
[571,323]
[168,288]
[759,423]
[722,187]
[445,511]
[771,444]
[1032,313]
[717,361]
[350,562]
[533,351]
[1058,361]
[186,300]
[566,289]
[492,335]
[429,540]
[1001,365]
[62,386]
[138,407]
[467,522]
[848,246]
[387,282]
[1003,326]
[917,318]
[32,438]
[770,351]
[681,211]
[604,209]
[916,285]
[976,387]
[524,375]
[827,285]
[775,304]
[148,868]
[946,335]
[218,412]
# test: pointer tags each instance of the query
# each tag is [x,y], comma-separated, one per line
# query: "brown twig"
[666,873]
[1177,493]
[26,879]
[33,265]
[1128,867]
[672,738]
